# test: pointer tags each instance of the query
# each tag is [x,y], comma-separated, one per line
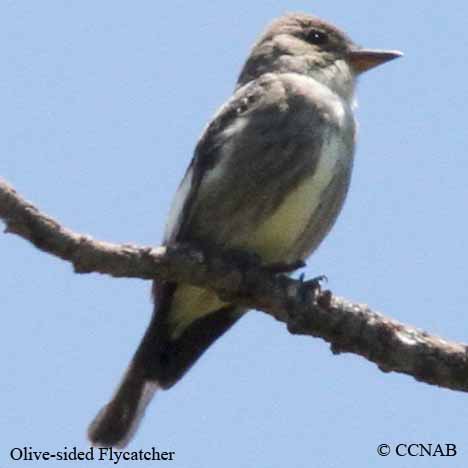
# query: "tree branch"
[349,327]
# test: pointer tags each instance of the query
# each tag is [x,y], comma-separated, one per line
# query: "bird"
[268,177]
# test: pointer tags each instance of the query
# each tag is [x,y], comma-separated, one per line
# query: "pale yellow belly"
[273,240]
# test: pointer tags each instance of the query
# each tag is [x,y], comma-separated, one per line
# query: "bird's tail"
[159,362]
[117,421]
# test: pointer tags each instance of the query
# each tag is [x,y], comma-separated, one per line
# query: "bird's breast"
[274,239]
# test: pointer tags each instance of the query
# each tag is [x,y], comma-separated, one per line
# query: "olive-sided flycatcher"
[269,176]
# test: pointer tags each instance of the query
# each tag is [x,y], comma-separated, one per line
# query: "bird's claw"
[313,285]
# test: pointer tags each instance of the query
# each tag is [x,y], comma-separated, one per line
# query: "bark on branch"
[347,326]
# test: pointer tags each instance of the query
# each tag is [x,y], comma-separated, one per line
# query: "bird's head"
[305,44]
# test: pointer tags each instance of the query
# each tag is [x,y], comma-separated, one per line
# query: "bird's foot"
[310,296]
[313,286]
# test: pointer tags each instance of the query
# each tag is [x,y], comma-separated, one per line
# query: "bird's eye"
[316,37]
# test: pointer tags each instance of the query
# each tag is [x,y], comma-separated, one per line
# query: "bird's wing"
[206,156]
[255,141]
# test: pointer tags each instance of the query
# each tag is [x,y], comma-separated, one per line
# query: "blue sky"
[102,104]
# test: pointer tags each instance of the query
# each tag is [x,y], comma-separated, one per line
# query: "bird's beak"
[364,59]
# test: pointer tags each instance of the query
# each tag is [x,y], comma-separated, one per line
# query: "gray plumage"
[269,175]
[259,147]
